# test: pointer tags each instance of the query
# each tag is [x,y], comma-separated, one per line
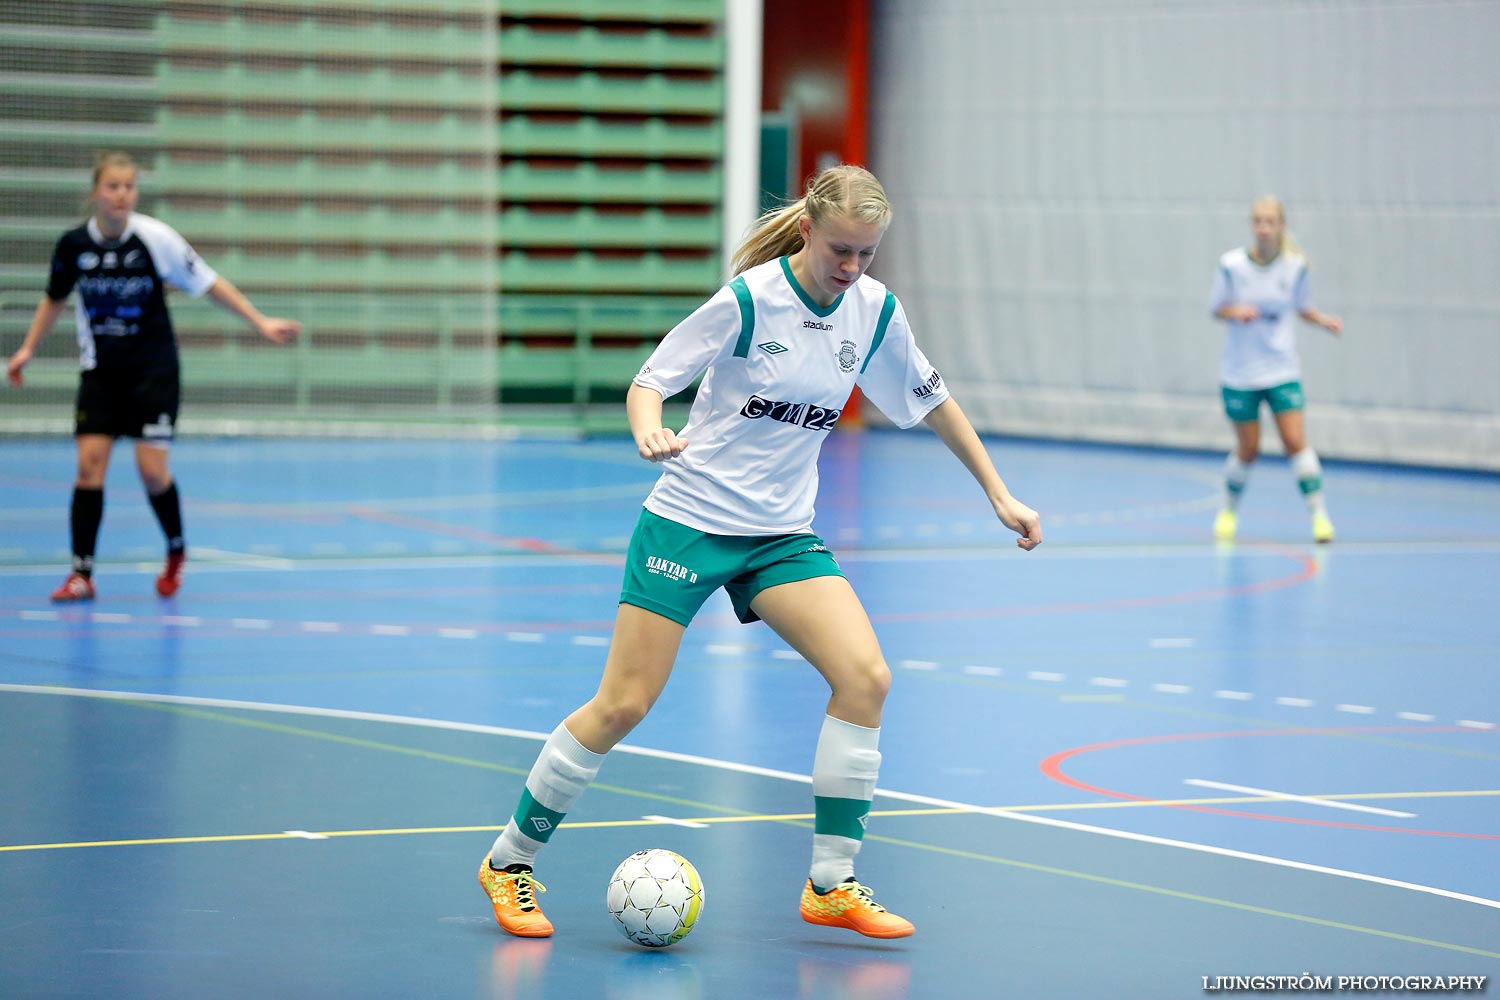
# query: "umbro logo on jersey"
[771,347]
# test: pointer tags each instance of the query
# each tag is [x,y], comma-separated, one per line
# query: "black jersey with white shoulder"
[123,324]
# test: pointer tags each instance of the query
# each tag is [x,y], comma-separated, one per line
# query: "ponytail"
[842,190]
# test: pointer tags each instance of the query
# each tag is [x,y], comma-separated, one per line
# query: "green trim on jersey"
[747,316]
[817,310]
[886,312]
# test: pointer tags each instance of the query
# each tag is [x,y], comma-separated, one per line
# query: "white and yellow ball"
[655,897]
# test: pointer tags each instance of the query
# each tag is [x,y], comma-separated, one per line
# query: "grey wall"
[1066,173]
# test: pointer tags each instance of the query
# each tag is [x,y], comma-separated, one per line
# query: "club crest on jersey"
[771,347]
[848,357]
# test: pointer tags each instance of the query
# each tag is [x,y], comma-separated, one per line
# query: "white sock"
[1236,474]
[845,769]
[1309,473]
[562,771]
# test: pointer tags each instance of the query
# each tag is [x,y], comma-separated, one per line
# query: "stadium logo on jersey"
[771,347]
[810,324]
[809,415]
[847,356]
[111,260]
[669,569]
[88,260]
[933,384]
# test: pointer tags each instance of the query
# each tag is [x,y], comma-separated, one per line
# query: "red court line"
[1308,570]
[455,530]
[1052,768]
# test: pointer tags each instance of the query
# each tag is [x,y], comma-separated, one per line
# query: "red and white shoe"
[171,574]
[76,587]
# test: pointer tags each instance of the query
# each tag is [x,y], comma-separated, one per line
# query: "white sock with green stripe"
[1236,474]
[1309,473]
[844,771]
[562,771]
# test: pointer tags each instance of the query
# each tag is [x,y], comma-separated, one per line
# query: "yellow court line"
[743,817]
[914,845]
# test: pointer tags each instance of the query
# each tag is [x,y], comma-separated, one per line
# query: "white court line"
[677,822]
[1289,797]
[225,556]
[723,765]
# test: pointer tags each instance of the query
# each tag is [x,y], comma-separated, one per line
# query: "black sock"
[84,518]
[169,512]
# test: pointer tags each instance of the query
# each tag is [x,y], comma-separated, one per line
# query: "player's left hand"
[1021,519]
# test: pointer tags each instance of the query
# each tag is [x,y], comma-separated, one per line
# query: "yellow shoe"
[1225,525]
[1322,529]
[512,892]
[853,906]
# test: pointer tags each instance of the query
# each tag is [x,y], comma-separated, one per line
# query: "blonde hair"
[111,158]
[844,190]
[1289,242]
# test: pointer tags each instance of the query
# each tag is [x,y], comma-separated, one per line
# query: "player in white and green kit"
[1260,291]
[780,348]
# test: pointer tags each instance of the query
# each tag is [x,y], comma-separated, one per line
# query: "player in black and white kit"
[780,348]
[119,263]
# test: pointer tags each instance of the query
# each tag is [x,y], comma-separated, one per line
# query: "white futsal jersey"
[1262,353]
[780,369]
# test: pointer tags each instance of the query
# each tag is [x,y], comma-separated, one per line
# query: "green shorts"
[672,569]
[1243,405]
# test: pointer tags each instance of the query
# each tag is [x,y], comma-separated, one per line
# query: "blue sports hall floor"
[1114,766]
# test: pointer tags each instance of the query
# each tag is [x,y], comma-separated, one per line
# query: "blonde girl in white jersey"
[780,349]
[1258,292]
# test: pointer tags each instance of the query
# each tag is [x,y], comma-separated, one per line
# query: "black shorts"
[137,406]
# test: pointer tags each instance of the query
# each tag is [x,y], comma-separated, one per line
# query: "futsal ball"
[655,897]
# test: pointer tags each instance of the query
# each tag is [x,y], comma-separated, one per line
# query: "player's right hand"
[661,444]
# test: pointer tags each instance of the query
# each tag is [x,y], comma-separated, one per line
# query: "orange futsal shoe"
[76,587]
[512,892]
[853,906]
[171,574]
